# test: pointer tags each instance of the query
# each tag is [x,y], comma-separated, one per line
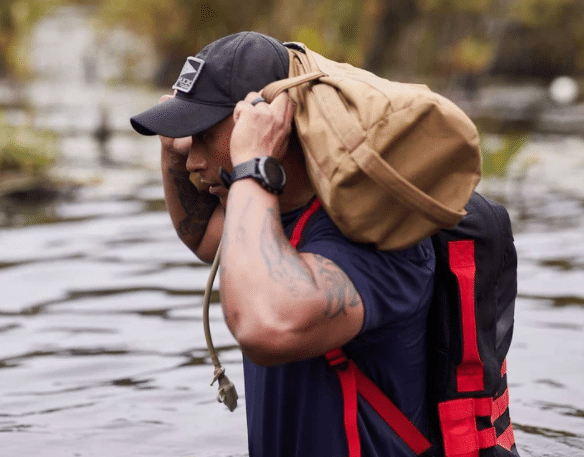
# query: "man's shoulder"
[320,227]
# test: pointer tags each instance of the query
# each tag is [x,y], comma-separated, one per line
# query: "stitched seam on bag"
[338,134]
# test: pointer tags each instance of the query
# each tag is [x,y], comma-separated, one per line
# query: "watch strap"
[257,169]
[243,170]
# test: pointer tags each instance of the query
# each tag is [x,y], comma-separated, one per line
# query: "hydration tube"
[227,393]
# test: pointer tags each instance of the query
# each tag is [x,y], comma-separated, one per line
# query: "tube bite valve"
[227,393]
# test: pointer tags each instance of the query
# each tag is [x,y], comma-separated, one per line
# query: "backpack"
[391,162]
[470,325]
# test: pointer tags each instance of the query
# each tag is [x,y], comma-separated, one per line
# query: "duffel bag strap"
[373,165]
[272,90]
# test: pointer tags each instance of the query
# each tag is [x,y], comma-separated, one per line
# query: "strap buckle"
[337,359]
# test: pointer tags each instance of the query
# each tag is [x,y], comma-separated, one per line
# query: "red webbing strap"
[349,376]
[483,406]
[458,423]
[297,232]
[487,438]
[390,413]
[470,372]
[500,405]
[345,371]
[459,428]
[507,438]
[352,379]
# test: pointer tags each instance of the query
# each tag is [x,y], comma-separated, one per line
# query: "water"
[101,341]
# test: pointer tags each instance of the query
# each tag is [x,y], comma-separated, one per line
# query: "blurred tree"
[456,35]
[339,29]
[16,19]
[393,18]
[342,30]
[180,28]
[445,38]
[543,39]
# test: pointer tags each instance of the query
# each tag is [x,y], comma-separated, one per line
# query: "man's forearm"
[189,209]
[264,281]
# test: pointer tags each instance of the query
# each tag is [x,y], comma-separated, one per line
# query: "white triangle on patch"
[189,74]
[188,68]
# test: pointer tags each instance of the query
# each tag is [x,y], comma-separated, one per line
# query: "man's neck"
[298,190]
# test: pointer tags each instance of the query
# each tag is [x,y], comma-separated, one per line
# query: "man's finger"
[250,97]
[284,106]
[239,108]
[165,97]
[180,146]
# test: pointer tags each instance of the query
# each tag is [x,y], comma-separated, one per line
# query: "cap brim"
[177,118]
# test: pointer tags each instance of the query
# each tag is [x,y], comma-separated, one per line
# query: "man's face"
[209,152]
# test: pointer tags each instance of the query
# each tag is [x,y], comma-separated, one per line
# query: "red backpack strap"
[458,417]
[345,370]
[458,423]
[298,229]
[501,406]
[353,380]
[470,372]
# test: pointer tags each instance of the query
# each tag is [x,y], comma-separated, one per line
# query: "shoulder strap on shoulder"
[354,381]
[302,221]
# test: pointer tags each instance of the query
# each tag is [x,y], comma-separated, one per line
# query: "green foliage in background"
[26,150]
[496,160]
[544,12]
[183,26]
[16,19]
[425,37]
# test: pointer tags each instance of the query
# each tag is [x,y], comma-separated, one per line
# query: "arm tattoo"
[240,235]
[285,265]
[338,288]
[241,231]
[198,206]
[282,261]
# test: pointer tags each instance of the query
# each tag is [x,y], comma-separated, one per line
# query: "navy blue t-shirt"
[296,409]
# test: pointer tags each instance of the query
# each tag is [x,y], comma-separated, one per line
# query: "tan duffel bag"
[392,163]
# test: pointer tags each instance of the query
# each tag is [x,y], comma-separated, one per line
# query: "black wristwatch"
[265,170]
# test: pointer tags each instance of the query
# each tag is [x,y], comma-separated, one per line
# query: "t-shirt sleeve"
[394,285]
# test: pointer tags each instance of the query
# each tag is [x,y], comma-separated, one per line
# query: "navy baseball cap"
[211,84]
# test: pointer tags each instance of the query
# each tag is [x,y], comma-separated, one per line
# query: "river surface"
[101,342]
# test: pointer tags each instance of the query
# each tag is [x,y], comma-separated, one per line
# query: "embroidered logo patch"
[189,74]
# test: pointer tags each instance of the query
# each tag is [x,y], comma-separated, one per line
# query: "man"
[287,308]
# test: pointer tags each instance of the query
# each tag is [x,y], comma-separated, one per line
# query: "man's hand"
[261,130]
[174,151]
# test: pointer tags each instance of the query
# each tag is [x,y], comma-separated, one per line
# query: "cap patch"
[189,74]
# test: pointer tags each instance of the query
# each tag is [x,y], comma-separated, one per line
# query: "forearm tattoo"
[198,206]
[285,265]
[282,261]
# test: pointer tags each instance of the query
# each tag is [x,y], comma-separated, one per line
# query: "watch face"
[273,173]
